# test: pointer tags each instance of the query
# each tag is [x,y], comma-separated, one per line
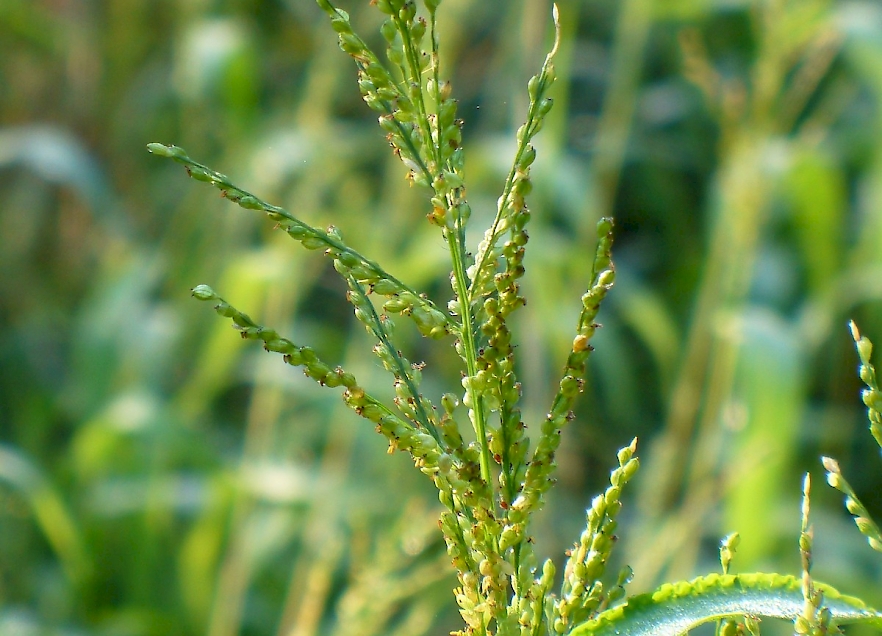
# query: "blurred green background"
[160,476]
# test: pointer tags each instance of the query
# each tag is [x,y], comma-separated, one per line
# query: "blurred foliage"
[158,476]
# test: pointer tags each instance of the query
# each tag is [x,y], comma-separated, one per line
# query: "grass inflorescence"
[491,476]
[489,487]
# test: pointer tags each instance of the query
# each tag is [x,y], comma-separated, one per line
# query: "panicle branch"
[582,593]
[511,210]
[538,477]
[403,300]
[858,511]
[872,398]
[815,618]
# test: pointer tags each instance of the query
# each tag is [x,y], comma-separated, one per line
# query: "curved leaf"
[678,607]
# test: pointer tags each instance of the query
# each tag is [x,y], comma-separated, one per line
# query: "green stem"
[376,327]
[405,137]
[530,129]
[436,62]
[467,335]
[413,61]
[249,201]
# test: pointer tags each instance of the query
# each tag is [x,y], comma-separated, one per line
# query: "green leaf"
[675,608]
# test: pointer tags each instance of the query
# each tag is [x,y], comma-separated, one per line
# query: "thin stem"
[413,61]
[377,328]
[436,64]
[457,244]
[530,128]
[250,201]
[467,336]
[405,137]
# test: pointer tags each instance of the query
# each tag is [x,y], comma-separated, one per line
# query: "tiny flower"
[203,292]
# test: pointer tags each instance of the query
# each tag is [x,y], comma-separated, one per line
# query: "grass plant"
[491,477]
[158,476]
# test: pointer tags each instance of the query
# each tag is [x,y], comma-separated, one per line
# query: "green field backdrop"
[159,475]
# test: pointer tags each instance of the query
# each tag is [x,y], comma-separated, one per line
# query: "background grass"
[158,475]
